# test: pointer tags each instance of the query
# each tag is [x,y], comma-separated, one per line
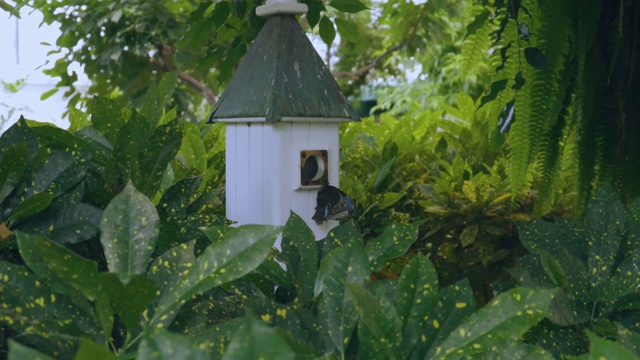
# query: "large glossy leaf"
[606,349]
[517,350]
[67,273]
[157,98]
[506,317]
[132,138]
[385,326]
[12,164]
[340,236]
[392,243]
[59,267]
[56,170]
[255,340]
[300,254]
[129,230]
[67,220]
[168,346]
[18,351]
[89,350]
[19,133]
[31,205]
[128,300]
[32,307]
[106,117]
[216,338]
[605,220]
[336,312]
[417,294]
[162,147]
[193,150]
[240,251]
[286,319]
[454,305]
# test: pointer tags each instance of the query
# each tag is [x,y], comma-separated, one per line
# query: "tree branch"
[367,68]
[164,65]
[363,71]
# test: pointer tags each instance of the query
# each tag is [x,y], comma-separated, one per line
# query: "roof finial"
[273,7]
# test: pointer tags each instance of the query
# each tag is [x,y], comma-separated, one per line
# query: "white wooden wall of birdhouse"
[263,171]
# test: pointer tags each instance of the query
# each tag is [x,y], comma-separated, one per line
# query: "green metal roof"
[282,78]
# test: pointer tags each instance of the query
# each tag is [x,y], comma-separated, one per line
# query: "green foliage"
[440,166]
[548,54]
[594,263]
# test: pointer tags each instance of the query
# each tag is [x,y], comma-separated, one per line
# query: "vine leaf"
[496,88]
[536,58]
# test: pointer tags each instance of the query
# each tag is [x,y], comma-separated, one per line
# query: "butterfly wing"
[333,204]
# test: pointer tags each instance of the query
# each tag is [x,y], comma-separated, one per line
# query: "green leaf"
[132,138]
[605,219]
[106,117]
[12,164]
[384,326]
[606,349]
[506,317]
[390,199]
[336,312]
[347,29]
[477,23]
[32,205]
[10,9]
[18,351]
[392,243]
[313,15]
[129,230]
[156,154]
[220,13]
[625,281]
[129,300]
[340,236]
[517,350]
[157,98]
[417,294]
[348,6]
[34,308]
[48,94]
[77,119]
[60,268]
[300,254]
[381,174]
[193,151]
[327,31]
[67,220]
[217,337]
[496,88]
[57,170]
[167,345]
[536,58]
[89,350]
[240,251]
[454,305]
[255,340]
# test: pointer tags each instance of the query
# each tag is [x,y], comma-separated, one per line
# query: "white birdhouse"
[282,108]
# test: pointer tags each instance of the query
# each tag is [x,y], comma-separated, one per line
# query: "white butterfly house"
[282,110]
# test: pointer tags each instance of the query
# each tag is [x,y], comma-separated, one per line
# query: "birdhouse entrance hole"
[314,168]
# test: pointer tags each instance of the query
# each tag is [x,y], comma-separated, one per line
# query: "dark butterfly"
[333,204]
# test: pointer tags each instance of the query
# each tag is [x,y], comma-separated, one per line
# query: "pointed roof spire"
[282,77]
